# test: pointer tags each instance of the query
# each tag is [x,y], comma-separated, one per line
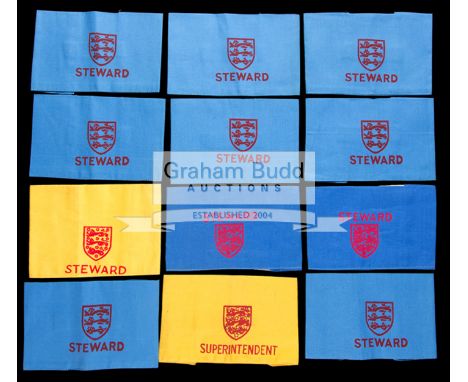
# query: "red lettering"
[102,161]
[95,269]
[375,159]
[371,77]
[102,72]
[379,342]
[241,76]
[95,346]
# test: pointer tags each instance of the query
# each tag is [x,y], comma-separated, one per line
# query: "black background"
[310,369]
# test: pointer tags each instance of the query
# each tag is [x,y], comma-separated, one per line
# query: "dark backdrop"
[310,369]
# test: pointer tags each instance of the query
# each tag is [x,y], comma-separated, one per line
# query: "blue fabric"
[203,124]
[403,63]
[63,145]
[199,62]
[405,218]
[342,153]
[265,245]
[53,325]
[69,58]
[337,325]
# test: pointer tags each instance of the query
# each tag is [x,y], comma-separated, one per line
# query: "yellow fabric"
[193,320]
[58,215]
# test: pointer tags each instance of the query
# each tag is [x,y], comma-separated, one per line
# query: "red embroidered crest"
[375,135]
[96,320]
[371,53]
[364,239]
[241,52]
[237,320]
[379,316]
[101,135]
[243,133]
[102,47]
[229,238]
[97,241]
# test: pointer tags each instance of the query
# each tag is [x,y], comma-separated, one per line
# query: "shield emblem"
[96,320]
[364,239]
[371,53]
[229,239]
[102,47]
[243,133]
[375,135]
[241,52]
[237,320]
[379,316]
[97,241]
[101,135]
